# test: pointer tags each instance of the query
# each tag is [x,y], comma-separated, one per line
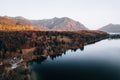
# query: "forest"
[24,46]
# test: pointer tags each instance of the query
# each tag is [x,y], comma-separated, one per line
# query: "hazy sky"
[92,13]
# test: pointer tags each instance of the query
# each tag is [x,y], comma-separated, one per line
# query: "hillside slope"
[64,23]
[56,24]
[112,28]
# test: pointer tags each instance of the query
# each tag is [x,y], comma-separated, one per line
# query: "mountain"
[12,24]
[112,28]
[64,23]
[21,23]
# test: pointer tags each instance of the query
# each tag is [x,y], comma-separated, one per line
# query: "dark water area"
[99,61]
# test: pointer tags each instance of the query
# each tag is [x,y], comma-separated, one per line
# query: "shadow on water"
[72,69]
[78,71]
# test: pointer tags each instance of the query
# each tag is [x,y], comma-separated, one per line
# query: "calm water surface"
[99,61]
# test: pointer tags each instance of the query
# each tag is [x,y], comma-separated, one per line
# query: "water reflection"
[57,53]
[54,55]
[98,61]
[77,71]
[55,49]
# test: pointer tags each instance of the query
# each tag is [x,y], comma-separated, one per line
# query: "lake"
[99,61]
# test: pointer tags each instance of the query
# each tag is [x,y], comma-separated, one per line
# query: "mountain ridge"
[8,24]
[63,23]
[111,28]
[57,24]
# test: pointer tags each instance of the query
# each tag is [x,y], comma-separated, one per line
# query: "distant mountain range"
[111,28]
[21,23]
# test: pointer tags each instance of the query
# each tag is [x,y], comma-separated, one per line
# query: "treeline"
[18,40]
[114,36]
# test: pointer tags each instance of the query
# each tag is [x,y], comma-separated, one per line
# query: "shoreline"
[33,45]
